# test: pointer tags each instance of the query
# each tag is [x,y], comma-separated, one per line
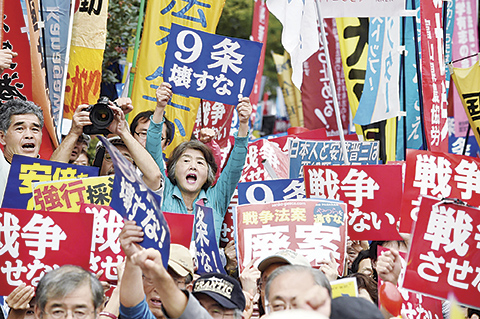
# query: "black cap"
[222,288]
[346,307]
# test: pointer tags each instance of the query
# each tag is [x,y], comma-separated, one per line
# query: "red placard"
[262,151]
[414,306]
[440,175]
[373,200]
[181,227]
[217,116]
[312,228]
[444,256]
[34,242]
[106,251]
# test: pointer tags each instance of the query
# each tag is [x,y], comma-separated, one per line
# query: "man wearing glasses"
[68,291]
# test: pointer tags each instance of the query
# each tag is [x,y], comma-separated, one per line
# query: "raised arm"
[80,119]
[143,160]
[244,109]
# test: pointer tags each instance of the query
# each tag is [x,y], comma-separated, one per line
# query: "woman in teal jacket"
[191,167]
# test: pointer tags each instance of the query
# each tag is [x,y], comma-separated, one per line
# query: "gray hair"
[18,107]
[58,283]
[318,277]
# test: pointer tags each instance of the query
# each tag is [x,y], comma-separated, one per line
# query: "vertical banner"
[89,33]
[39,83]
[160,15]
[467,82]
[56,16]
[410,133]
[317,102]
[380,98]
[207,255]
[291,94]
[444,256]
[16,81]
[433,76]
[259,34]
[464,43]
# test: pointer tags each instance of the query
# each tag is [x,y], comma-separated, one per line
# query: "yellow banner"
[353,39]
[291,95]
[84,77]
[69,195]
[160,15]
[467,82]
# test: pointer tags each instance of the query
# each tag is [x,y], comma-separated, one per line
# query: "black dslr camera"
[101,116]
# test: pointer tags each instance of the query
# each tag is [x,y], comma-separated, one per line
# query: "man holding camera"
[119,126]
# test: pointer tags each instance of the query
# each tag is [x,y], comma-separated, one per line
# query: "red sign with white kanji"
[414,306]
[312,228]
[440,175]
[261,153]
[106,251]
[35,242]
[445,252]
[373,194]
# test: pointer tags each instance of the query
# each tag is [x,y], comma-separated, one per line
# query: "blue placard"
[132,199]
[25,171]
[272,190]
[207,256]
[210,66]
[304,152]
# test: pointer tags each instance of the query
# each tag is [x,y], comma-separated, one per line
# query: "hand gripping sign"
[210,66]
[132,199]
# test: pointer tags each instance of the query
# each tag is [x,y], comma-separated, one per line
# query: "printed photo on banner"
[306,152]
[106,252]
[27,170]
[35,242]
[207,256]
[132,199]
[69,195]
[271,190]
[444,255]
[373,201]
[440,175]
[313,228]
[210,66]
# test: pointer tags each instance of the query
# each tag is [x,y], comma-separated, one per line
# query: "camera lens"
[101,116]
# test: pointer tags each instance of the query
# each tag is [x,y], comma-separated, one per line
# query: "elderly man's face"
[291,290]
[107,164]
[23,137]
[77,304]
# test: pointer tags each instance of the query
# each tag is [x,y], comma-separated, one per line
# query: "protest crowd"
[123,220]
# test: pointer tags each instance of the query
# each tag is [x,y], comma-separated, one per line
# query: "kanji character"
[468,178]
[44,233]
[181,76]
[127,192]
[358,185]
[113,226]
[265,241]
[432,173]
[265,216]
[33,173]
[294,190]
[9,229]
[226,57]
[201,229]
[71,190]
[317,242]
[250,217]
[298,214]
[324,187]
[99,194]
[188,7]
[51,198]
[442,223]
[218,110]
[90,6]
[282,215]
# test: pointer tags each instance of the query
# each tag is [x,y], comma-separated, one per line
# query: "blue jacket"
[217,197]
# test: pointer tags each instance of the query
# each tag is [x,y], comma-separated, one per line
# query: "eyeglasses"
[278,305]
[143,135]
[218,313]
[60,313]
